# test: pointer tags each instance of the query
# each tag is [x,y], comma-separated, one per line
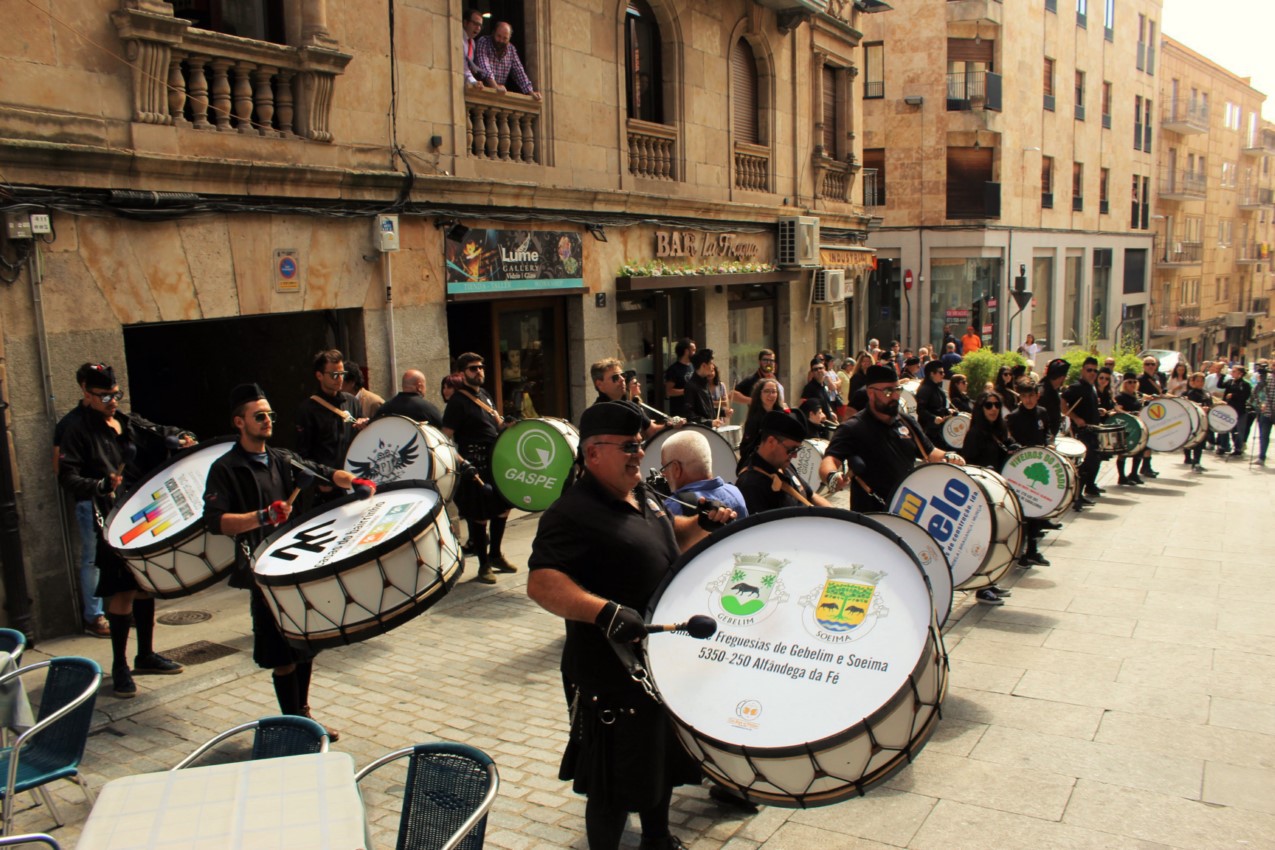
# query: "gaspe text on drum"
[532,479]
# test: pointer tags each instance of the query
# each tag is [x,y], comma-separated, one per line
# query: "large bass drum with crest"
[828,667]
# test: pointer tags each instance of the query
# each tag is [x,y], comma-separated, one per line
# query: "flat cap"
[245,393]
[618,418]
[780,424]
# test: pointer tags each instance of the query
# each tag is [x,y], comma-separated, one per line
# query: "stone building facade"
[1012,156]
[213,174]
[1215,200]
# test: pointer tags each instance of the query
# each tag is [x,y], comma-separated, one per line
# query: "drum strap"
[344,414]
[777,483]
[633,666]
[864,485]
[484,405]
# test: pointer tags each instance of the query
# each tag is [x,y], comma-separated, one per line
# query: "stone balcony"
[502,126]
[752,167]
[652,150]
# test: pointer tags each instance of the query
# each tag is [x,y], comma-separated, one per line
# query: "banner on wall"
[495,261]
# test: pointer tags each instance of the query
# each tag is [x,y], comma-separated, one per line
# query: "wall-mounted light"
[914,100]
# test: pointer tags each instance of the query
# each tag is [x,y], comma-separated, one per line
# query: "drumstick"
[700,626]
[296,491]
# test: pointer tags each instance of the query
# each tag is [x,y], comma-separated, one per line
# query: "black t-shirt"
[610,549]
[1029,427]
[59,430]
[646,420]
[323,436]
[471,424]
[699,401]
[1148,386]
[931,403]
[413,406]
[1082,400]
[819,392]
[758,487]
[746,385]
[1051,403]
[888,451]
[1128,402]
[677,375]
[983,448]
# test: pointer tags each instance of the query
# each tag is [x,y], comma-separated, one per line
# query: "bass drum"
[828,668]
[955,429]
[1169,423]
[534,461]
[357,568]
[1199,423]
[1135,435]
[158,527]
[1044,481]
[907,396]
[723,454]
[806,463]
[971,512]
[927,550]
[398,448]
[1223,418]
[1072,449]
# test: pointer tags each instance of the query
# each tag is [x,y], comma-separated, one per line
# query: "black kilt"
[113,574]
[479,504]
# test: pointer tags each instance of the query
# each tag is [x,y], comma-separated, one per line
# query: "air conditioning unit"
[799,241]
[1236,320]
[830,286]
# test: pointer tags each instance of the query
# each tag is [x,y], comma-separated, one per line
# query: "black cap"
[880,375]
[934,366]
[912,361]
[245,393]
[99,376]
[810,405]
[617,418]
[780,424]
[702,356]
[1130,376]
[1057,367]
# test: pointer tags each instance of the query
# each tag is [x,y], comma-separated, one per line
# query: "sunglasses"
[890,393]
[991,405]
[629,447]
[107,398]
[263,415]
[1089,371]
[336,374]
[618,379]
[480,367]
[793,451]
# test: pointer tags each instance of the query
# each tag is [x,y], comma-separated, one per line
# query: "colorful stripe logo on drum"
[1156,411]
[157,517]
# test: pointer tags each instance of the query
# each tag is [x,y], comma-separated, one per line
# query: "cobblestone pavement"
[1121,698]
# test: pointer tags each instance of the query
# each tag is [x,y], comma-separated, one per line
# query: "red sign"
[907,279]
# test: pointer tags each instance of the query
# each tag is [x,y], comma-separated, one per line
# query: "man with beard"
[612,384]
[677,374]
[471,419]
[245,497]
[880,444]
[328,420]
[600,553]
[767,480]
[1081,399]
[766,368]
[497,59]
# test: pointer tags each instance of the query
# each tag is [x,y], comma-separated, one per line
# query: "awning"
[848,258]
[696,281]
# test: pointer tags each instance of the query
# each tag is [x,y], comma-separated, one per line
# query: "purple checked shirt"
[500,67]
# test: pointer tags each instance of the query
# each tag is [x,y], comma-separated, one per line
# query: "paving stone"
[958,826]
[885,815]
[1167,819]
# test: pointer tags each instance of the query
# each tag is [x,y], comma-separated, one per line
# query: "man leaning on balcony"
[498,59]
[470,28]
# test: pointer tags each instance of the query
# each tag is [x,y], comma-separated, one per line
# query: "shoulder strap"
[478,401]
[344,414]
[777,483]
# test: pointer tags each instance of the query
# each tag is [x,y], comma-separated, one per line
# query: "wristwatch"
[948,456]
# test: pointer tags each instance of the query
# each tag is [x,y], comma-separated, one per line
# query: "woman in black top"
[956,394]
[1127,401]
[858,374]
[1106,393]
[1005,388]
[1195,392]
[765,398]
[987,443]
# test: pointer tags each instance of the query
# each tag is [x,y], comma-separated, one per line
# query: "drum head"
[826,670]
[1070,448]
[932,559]
[1222,418]
[1039,477]
[1169,424]
[723,453]
[806,463]
[1134,434]
[532,462]
[953,508]
[955,429]
[390,449]
[168,504]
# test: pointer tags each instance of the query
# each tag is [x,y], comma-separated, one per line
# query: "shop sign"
[494,261]
[694,245]
[832,258]
[287,270]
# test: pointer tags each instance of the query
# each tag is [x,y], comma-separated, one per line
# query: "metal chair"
[32,838]
[283,735]
[53,747]
[446,796]
[12,643]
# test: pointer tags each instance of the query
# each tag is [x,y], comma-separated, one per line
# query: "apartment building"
[1214,204]
[213,173]
[1010,146]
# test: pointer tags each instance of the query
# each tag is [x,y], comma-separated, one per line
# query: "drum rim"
[658,440]
[369,554]
[1073,483]
[496,479]
[163,545]
[951,601]
[933,633]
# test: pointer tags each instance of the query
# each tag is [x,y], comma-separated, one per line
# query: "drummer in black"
[599,555]
[700,408]
[879,445]
[103,452]
[246,497]
[932,407]
[1081,399]
[1128,401]
[471,419]
[1050,397]
[411,401]
[328,420]
[767,480]
[613,384]
[1029,426]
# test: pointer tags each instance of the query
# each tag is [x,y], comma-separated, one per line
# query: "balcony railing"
[1185,316]
[1180,252]
[1253,197]
[1185,116]
[1183,186]
[1252,252]
[188,77]
[752,167]
[502,126]
[973,89]
[652,149]
[834,179]
[873,188]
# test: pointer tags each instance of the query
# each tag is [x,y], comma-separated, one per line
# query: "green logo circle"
[531,463]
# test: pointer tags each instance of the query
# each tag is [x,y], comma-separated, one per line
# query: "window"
[1104,182]
[1142,43]
[1073,299]
[1137,122]
[1100,290]
[873,177]
[1080,95]
[1049,84]
[1146,202]
[1224,232]
[1151,47]
[642,70]
[1106,105]
[834,118]
[1231,117]
[1043,290]
[969,63]
[1229,172]
[1082,13]
[1190,294]
[1077,186]
[743,82]
[1135,270]
[1047,182]
[1109,21]
[1146,125]
[261,20]
[970,190]
[1223,288]
[1135,215]
[874,70]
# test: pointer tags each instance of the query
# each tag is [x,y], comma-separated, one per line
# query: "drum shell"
[938,572]
[1171,423]
[512,471]
[1111,438]
[955,429]
[723,454]
[184,562]
[806,463]
[382,587]
[1033,506]
[1134,445]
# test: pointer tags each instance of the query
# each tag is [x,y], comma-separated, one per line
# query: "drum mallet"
[700,626]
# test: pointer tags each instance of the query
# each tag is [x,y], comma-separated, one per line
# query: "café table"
[308,801]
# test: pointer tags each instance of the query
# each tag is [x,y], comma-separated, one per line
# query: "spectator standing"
[498,59]
[971,342]
[470,28]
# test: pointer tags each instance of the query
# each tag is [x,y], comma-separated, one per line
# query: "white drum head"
[1169,424]
[953,509]
[1070,448]
[723,453]
[1223,418]
[1040,478]
[390,449]
[806,463]
[168,504]
[932,559]
[955,429]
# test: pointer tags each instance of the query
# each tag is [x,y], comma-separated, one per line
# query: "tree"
[1037,472]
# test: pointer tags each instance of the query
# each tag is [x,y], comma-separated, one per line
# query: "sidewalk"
[1120,698]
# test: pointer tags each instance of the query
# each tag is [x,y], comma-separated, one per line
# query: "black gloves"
[620,624]
[703,509]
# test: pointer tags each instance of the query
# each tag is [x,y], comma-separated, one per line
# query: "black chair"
[284,735]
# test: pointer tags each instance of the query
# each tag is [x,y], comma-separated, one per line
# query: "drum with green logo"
[532,462]
[1134,431]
